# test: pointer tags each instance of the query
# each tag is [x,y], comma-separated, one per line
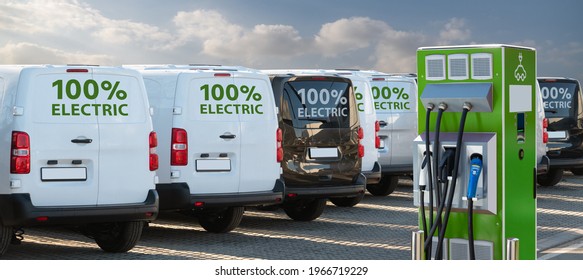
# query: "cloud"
[28,53]
[71,20]
[221,38]
[454,31]
[66,30]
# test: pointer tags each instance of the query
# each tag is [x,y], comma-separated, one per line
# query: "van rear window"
[558,98]
[317,104]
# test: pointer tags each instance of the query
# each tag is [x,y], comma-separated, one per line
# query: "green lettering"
[83,110]
[203,109]
[75,109]
[245,108]
[55,110]
[121,112]
[257,109]
[106,109]
[406,106]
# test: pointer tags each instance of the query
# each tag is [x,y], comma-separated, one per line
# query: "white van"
[78,149]
[366,113]
[219,138]
[395,103]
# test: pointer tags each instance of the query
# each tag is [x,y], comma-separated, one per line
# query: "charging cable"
[426,172]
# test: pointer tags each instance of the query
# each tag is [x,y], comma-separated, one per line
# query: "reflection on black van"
[564,110]
[321,143]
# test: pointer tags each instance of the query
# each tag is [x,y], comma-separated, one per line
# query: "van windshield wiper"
[551,111]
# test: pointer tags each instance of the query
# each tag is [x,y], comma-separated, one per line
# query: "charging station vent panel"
[458,66]
[444,249]
[460,249]
[482,66]
[435,65]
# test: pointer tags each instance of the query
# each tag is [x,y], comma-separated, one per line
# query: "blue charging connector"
[475,170]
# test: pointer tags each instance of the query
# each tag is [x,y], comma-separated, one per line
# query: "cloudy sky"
[367,34]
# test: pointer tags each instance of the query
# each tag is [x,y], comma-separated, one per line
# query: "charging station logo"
[520,72]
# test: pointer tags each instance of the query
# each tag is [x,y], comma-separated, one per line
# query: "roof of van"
[182,67]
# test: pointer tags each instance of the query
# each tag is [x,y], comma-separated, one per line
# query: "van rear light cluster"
[153,139]
[377,138]
[179,147]
[360,146]
[279,139]
[545,132]
[20,153]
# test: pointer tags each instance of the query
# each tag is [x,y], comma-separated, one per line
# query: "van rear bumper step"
[373,176]
[177,196]
[18,210]
[319,191]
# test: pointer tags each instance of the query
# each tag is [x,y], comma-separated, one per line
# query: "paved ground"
[379,228]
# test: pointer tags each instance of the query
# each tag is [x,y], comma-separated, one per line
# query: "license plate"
[213,165]
[557,134]
[63,174]
[323,152]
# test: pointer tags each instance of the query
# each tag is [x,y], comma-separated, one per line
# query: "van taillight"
[279,139]
[377,139]
[545,132]
[153,139]
[179,147]
[360,146]
[20,153]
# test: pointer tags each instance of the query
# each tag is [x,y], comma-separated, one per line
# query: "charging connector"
[475,171]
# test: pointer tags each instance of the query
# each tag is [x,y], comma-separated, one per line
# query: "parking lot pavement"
[379,228]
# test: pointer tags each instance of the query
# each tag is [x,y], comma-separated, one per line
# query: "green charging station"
[475,179]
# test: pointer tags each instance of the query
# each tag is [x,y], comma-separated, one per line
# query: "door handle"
[228,136]
[82,141]
[382,123]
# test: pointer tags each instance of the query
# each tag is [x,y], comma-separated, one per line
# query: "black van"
[321,143]
[564,109]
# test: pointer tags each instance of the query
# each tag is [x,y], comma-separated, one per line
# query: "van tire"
[347,201]
[577,171]
[386,186]
[222,222]
[550,179]
[119,237]
[305,210]
[5,238]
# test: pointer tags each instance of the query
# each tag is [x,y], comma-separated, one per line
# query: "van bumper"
[401,169]
[322,191]
[566,163]
[177,196]
[543,166]
[373,176]
[18,210]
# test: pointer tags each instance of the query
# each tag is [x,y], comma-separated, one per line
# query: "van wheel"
[386,186]
[577,171]
[550,179]
[117,237]
[224,221]
[5,238]
[305,210]
[346,201]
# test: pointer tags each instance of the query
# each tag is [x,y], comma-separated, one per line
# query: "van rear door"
[396,108]
[259,166]
[214,134]
[320,117]
[122,108]
[64,135]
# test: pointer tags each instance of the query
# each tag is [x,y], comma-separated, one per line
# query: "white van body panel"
[245,163]
[400,115]
[112,167]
